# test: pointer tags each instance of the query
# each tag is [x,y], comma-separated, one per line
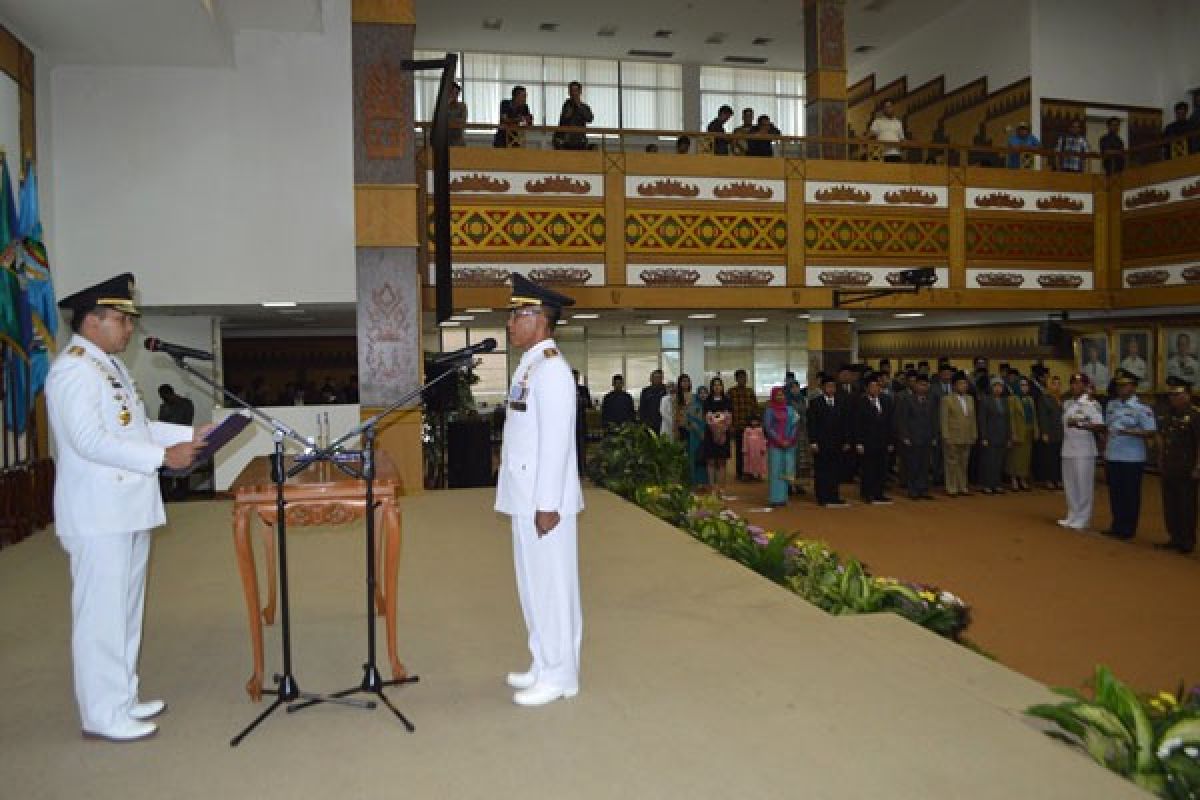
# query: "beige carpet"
[701,681]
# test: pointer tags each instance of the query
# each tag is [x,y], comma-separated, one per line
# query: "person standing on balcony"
[514,114]
[720,144]
[742,131]
[1023,139]
[1071,147]
[887,127]
[575,114]
[762,147]
[456,117]
[1112,147]
[1177,127]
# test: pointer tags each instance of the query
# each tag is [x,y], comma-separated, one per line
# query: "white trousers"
[1079,483]
[547,570]
[108,594]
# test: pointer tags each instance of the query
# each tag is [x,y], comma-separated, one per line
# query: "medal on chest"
[519,393]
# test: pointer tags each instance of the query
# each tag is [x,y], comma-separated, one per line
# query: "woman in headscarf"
[781,424]
[799,403]
[718,418]
[695,438]
[1023,423]
[995,437]
[1050,426]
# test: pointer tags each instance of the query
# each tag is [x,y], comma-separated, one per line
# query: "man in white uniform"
[106,500]
[1081,417]
[539,488]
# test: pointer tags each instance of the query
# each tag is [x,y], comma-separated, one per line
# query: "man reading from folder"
[106,500]
[539,488]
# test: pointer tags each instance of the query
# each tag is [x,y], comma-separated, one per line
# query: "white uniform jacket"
[108,451]
[1080,442]
[538,469]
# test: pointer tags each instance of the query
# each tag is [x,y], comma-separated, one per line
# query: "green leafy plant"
[634,457]
[1155,742]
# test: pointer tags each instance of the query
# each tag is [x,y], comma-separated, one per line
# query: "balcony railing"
[693,143]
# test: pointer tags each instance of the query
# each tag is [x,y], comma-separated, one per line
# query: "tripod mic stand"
[372,682]
[287,689]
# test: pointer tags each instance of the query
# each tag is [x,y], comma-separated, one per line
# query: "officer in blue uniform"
[539,488]
[1129,423]
[106,501]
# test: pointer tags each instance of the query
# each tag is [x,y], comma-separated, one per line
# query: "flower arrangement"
[1153,740]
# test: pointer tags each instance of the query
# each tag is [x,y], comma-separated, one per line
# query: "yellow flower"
[1168,700]
[1157,705]
[928,596]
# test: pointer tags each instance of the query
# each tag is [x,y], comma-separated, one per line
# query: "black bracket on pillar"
[439,143]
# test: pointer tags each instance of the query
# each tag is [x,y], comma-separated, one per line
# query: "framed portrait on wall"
[1093,359]
[1133,351]
[1177,348]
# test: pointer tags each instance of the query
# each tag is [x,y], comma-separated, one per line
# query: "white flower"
[1192,752]
[1164,750]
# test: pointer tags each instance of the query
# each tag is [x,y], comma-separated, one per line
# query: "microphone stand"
[287,689]
[372,682]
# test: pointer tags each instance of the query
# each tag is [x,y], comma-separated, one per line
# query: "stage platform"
[701,680]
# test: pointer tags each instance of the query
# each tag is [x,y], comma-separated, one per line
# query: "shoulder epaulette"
[75,350]
[550,352]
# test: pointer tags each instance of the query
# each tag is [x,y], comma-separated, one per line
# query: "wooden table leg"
[391,527]
[380,533]
[270,557]
[242,517]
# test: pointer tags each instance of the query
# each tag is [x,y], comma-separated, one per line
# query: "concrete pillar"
[825,73]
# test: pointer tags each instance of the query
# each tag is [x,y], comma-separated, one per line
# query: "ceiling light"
[585,316]
[908,314]
[279,304]
[663,33]
[607,30]
[803,316]
[548,27]
[715,38]
[851,319]
[651,53]
[755,320]
[658,322]
[479,311]
[450,324]
[492,23]
[462,318]
[702,316]
[744,60]
[761,40]
[864,48]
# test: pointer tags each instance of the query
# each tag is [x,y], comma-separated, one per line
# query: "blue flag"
[33,267]
[16,321]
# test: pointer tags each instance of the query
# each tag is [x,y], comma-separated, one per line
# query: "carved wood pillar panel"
[825,72]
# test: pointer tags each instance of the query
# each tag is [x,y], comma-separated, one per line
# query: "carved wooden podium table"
[320,495]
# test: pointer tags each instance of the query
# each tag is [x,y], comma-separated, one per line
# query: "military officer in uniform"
[1129,423]
[106,500]
[539,488]
[1179,465]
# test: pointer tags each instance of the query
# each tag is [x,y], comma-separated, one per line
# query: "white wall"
[1181,71]
[214,186]
[1107,51]
[977,38]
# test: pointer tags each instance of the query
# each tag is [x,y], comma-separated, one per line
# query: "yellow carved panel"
[395,12]
[386,216]
[683,231]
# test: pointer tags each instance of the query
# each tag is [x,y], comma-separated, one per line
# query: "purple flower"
[701,514]
[754,530]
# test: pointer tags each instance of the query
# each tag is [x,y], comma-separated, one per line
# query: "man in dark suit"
[873,440]
[849,390]
[917,428]
[827,440]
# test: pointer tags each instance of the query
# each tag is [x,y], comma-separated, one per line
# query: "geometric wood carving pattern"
[1029,240]
[1173,233]
[686,231]
[891,236]
[512,229]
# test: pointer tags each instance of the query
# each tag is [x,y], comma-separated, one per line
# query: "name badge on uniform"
[517,395]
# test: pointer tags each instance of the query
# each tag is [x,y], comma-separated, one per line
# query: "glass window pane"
[600,369]
[454,338]
[670,365]
[492,385]
[670,337]
[736,336]
[479,334]
[769,368]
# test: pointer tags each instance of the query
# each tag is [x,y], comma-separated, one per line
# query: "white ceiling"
[194,33]
[199,32]
[459,26]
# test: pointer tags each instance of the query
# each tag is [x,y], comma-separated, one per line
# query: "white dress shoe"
[130,730]
[542,693]
[521,680]
[147,710]
[1066,523]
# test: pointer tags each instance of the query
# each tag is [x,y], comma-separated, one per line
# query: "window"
[766,352]
[777,93]
[629,94]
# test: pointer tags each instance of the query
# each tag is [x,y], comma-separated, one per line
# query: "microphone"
[486,346]
[156,345]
